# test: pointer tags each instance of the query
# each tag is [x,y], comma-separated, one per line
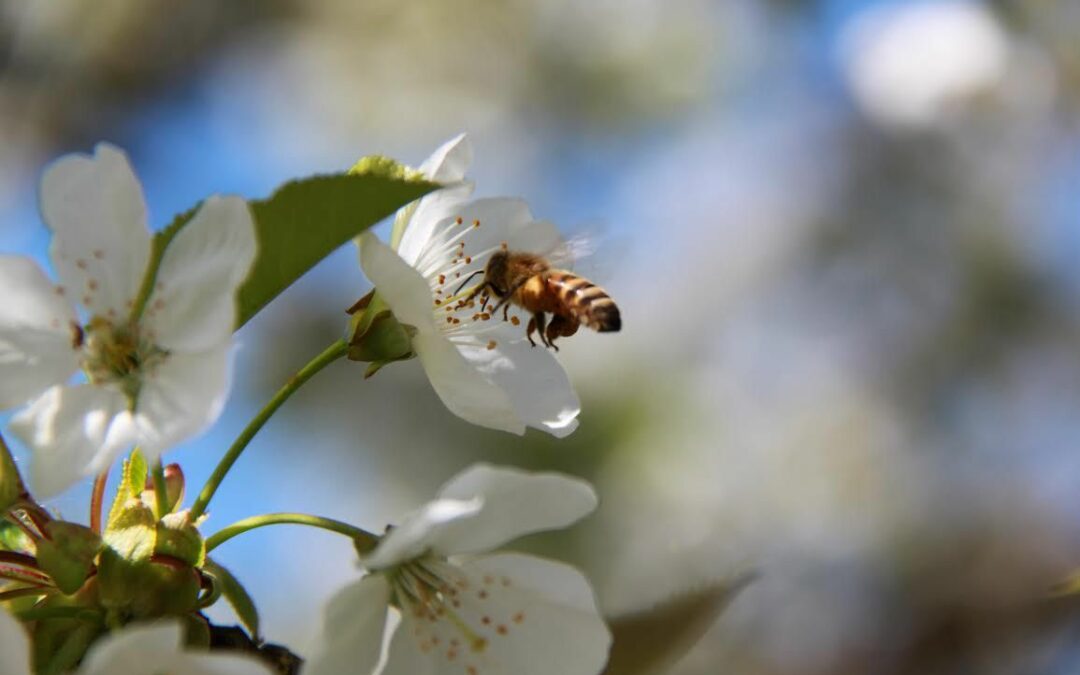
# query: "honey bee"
[530,282]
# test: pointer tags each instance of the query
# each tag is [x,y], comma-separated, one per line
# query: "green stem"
[362,538]
[97,499]
[161,492]
[329,355]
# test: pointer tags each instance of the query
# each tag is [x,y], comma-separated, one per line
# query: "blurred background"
[844,236]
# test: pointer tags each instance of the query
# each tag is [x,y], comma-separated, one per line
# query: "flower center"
[447,263]
[434,602]
[453,615]
[117,354]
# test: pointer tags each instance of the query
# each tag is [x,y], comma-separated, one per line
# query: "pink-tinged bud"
[174,487]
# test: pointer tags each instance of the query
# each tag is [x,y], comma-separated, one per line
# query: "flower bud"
[376,336]
[174,487]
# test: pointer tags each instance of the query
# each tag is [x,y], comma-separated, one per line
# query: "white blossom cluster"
[108,357]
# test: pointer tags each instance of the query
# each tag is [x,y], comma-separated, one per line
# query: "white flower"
[148,649]
[151,380]
[482,367]
[464,613]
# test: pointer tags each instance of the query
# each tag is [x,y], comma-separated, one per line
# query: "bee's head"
[495,272]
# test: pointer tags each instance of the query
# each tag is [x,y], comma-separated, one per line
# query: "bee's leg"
[475,292]
[506,308]
[504,299]
[530,330]
[560,326]
[540,321]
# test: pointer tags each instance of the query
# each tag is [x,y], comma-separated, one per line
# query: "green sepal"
[147,589]
[178,538]
[377,337]
[14,539]
[11,485]
[132,531]
[67,554]
[237,597]
[124,564]
[59,643]
[130,489]
[136,472]
[196,632]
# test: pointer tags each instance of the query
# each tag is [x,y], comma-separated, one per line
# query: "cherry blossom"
[480,365]
[450,606]
[154,373]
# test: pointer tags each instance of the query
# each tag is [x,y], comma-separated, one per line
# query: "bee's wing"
[592,253]
[567,253]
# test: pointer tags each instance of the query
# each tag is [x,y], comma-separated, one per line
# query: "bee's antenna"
[467,280]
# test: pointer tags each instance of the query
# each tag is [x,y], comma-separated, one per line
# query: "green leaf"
[11,485]
[67,555]
[237,596]
[648,641]
[305,220]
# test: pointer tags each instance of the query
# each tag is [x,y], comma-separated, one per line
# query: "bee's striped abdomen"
[585,301]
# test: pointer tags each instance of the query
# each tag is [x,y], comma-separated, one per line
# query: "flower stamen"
[116,354]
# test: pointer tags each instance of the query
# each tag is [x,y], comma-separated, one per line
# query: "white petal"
[402,287]
[534,381]
[123,651]
[499,217]
[74,432]
[413,224]
[450,161]
[193,306]
[35,333]
[14,646]
[352,632]
[154,648]
[482,508]
[94,206]
[535,617]
[502,220]
[515,502]
[181,398]
[30,299]
[423,216]
[462,388]
[416,533]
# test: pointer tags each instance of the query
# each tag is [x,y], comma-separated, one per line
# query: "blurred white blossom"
[908,63]
[152,380]
[461,611]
